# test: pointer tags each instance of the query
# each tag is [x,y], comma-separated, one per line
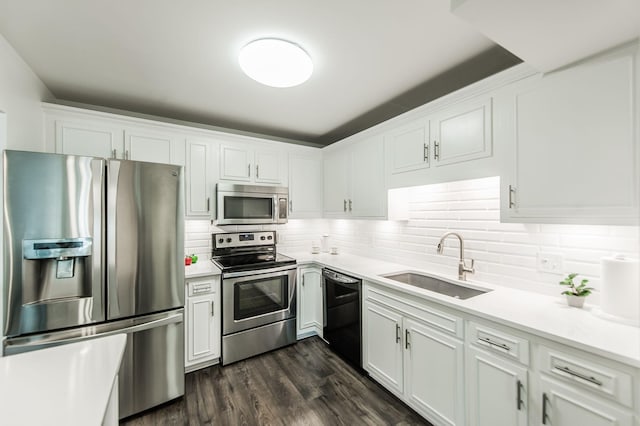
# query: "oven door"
[258,297]
[238,208]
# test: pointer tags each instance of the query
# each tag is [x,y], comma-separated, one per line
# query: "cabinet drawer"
[588,374]
[197,288]
[499,342]
[440,320]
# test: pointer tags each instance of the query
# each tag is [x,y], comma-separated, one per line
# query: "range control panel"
[244,239]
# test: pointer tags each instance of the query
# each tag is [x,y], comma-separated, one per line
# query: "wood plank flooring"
[303,384]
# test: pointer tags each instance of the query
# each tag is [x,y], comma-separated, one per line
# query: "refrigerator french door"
[95,246]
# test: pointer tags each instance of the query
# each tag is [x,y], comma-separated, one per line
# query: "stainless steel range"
[258,294]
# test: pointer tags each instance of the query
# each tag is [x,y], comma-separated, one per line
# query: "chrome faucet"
[462,267]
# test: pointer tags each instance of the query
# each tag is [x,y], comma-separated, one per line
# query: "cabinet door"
[434,373]
[566,406]
[368,190]
[462,132]
[575,158]
[90,139]
[236,162]
[305,186]
[200,177]
[336,183]
[268,167]
[200,338]
[408,147]
[141,145]
[383,346]
[497,390]
[310,306]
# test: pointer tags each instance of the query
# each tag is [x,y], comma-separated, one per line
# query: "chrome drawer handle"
[492,343]
[589,379]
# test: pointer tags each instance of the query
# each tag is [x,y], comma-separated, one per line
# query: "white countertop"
[544,316]
[63,385]
[203,268]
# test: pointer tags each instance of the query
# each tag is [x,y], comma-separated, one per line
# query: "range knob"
[269,237]
[221,240]
[228,240]
[262,238]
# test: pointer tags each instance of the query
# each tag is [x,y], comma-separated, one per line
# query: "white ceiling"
[179,59]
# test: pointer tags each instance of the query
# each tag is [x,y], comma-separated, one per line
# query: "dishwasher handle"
[338,277]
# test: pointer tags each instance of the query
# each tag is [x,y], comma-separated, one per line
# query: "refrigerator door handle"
[112,305]
[98,281]
[103,330]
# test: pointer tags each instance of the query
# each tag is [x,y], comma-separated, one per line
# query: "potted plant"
[576,293]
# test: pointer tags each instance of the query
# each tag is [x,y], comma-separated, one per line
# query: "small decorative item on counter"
[315,247]
[324,245]
[334,250]
[187,260]
[194,258]
[576,294]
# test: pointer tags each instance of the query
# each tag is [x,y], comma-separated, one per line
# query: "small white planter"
[576,301]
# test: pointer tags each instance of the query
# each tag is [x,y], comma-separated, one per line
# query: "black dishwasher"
[342,328]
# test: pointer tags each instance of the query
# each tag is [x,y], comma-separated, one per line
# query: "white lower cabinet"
[497,390]
[202,324]
[569,406]
[421,365]
[383,346]
[434,373]
[309,300]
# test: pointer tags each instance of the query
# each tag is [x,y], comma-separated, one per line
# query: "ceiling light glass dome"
[276,62]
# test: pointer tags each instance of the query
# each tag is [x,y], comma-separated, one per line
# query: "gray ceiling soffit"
[485,64]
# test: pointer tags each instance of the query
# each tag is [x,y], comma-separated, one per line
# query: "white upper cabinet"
[88,138]
[462,132]
[336,182]
[354,180]
[200,176]
[75,133]
[252,163]
[408,147]
[141,144]
[575,144]
[305,184]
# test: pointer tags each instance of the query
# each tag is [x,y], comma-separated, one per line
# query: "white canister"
[620,294]
[324,243]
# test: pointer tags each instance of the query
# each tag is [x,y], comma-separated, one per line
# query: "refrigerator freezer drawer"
[152,370]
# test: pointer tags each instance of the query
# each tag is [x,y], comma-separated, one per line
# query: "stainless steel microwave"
[251,204]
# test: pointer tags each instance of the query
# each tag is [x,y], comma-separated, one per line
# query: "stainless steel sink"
[434,284]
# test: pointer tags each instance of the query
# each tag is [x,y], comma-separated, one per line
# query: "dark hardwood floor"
[303,384]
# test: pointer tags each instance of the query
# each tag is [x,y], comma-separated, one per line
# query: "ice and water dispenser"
[56,269]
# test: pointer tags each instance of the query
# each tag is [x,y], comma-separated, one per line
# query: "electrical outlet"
[549,262]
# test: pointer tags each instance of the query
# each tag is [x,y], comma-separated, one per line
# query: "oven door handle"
[259,272]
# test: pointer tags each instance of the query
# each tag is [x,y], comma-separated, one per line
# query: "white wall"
[505,253]
[21,125]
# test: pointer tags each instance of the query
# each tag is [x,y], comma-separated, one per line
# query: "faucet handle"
[470,269]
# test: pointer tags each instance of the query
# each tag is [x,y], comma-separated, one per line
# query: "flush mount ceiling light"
[276,62]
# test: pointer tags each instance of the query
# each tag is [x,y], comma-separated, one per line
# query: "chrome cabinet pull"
[519,401]
[344,205]
[512,193]
[208,204]
[406,339]
[113,153]
[545,401]
[492,343]
[213,308]
[584,377]
[249,170]
[425,152]
[290,206]
[397,333]
[257,171]
[126,154]
[303,280]
[436,150]
[350,205]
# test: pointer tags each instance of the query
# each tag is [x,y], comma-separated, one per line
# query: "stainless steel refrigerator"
[95,247]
